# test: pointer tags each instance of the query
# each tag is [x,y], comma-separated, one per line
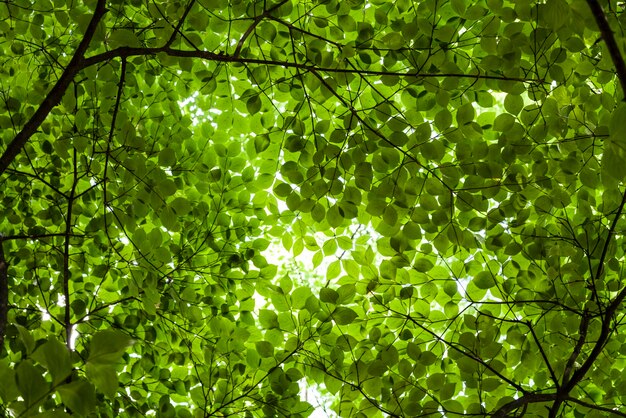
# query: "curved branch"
[596,407]
[55,95]
[503,411]
[179,25]
[609,40]
[599,345]
[607,317]
[582,337]
[467,354]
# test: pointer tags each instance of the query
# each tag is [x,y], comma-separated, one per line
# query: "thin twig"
[212,56]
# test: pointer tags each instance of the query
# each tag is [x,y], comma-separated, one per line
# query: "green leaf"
[616,124]
[465,114]
[328,295]
[265,348]
[167,157]
[484,280]
[423,265]
[344,316]
[27,338]
[261,143]
[556,13]
[443,119]
[253,104]
[513,103]
[268,319]
[334,217]
[503,122]
[614,160]
[104,378]
[31,383]
[79,396]
[8,391]
[107,347]
[393,40]
[56,358]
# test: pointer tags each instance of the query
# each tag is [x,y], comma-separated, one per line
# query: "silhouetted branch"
[609,40]
[212,56]
[254,24]
[179,25]
[504,410]
[39,236]
[55,95]
[607,318]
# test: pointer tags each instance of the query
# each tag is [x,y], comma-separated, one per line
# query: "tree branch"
[503,411]
[55,95]
[596,407]
[125,51]
[582,337]
[39,236]
[607,318]
[467,354]
[253,25]
[179,25]
[609,39]
[543,353]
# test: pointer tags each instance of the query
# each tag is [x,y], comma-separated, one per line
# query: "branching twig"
[39,236]
[254,24]
[582,337]
[609,40]
[529,398]
[179,25]
[607,317]
[55,95]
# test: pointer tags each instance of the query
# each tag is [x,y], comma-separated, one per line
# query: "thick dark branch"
[607,317]
[599,345]
[611,43]
[504,410]
[38,236]
[55,95]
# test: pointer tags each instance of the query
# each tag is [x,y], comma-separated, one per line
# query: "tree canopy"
[404,208]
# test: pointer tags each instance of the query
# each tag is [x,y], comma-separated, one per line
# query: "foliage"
[453,169]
